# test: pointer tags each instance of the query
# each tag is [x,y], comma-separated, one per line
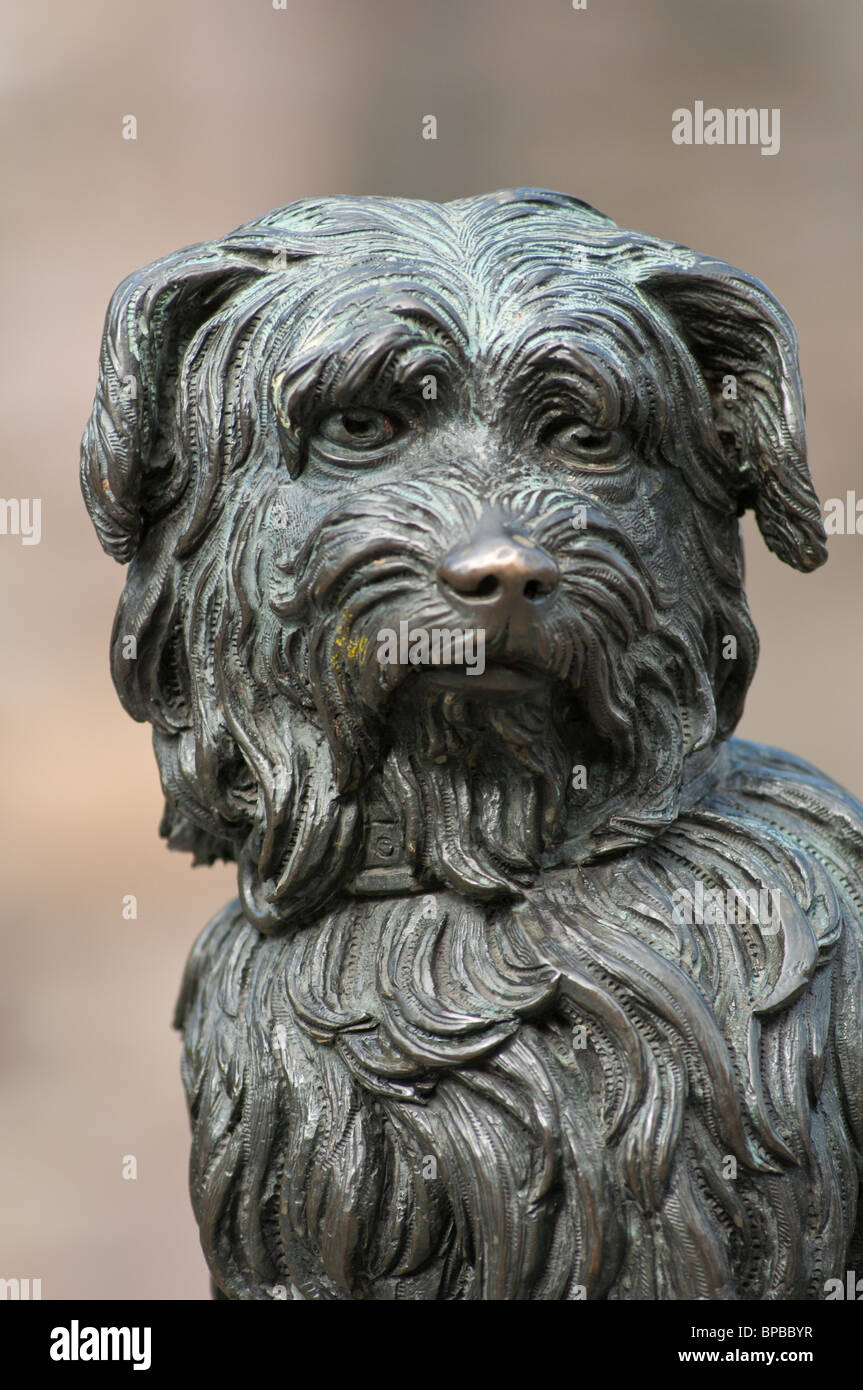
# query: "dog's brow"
[387,354]
[539,361]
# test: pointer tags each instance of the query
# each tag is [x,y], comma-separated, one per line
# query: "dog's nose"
[499,570]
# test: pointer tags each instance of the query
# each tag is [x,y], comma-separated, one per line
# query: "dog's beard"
[486,786]
[482,785]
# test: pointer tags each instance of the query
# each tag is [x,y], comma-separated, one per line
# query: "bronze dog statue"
[538,985]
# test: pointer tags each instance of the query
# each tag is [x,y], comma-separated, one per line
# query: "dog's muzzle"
[498,576]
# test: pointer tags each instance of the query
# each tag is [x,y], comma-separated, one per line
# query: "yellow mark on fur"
[346,647]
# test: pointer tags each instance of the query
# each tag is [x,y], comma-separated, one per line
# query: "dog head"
[432,514]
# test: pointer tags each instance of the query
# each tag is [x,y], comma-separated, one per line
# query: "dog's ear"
[153,314]
[745,346]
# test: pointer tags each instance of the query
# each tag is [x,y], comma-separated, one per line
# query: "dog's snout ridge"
[499,570]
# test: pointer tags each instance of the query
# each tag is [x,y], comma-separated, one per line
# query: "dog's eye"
[587,443]
[359,428]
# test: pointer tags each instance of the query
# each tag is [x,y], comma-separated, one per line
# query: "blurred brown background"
[242,107]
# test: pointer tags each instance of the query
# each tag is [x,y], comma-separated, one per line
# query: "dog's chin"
[490,706]
[496,680]
[481,763]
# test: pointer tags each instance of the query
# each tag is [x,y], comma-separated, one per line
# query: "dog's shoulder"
[216,967]
[770,776]
[782,793]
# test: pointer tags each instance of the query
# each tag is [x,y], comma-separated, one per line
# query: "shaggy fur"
[501,1067]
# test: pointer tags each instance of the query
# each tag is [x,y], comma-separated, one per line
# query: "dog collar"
[386,870]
